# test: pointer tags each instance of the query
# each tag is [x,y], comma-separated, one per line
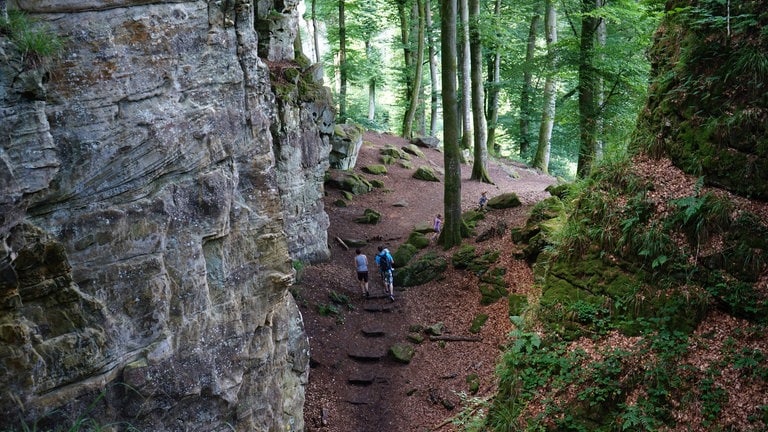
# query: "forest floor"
[354,384]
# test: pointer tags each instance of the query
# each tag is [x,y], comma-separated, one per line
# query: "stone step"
[367,355]
[373,332]
[385,307]
[361,379]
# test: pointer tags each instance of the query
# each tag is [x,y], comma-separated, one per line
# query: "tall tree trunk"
[432,69]
[451,233]
[405,40]
[602,39]
[541,160]
[371,87]
[480,164]
[466,77]
[587,90]
[526,95]
[494,71]
[342,63]
[418,69]
[315,32]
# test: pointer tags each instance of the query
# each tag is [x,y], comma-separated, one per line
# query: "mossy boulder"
[394,153]
[378,184]
[547,217]
[424,228]
[375,169]
[505,200]
[413,150]
[435,329]
[419,240]
[427,268]
[426,174]
[463,257]
[472,217]
[369,216]
[346,181]
[404,254]
[402,353]
[388,160]
[415,338]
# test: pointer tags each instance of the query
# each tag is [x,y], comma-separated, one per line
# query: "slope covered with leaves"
[654,279]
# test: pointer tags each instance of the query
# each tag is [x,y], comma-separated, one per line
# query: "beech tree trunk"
[418,68]
[315,32]
[602,39]
[480,163]
[342,63]
[526,95]
[371,87]
[494,71]
[541,160]
[432,68]
[451,234]
[466,77]
[588,110]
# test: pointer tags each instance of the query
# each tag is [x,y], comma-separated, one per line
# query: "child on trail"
[386,264]
[361,266]
[437,224]
[483,201]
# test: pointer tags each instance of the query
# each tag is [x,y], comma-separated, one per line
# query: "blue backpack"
[384,263]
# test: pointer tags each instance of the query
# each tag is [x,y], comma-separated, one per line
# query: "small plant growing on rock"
[35,41]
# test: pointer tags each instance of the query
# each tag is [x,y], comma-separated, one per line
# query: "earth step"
[361,379]
[386,307]
[373,332]
[367,356]
[359,401]
[377,295]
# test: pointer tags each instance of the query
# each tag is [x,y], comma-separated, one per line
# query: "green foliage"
[713,397]
[699,216]
[341,300]
[35,41]
[477,323]
[751,362]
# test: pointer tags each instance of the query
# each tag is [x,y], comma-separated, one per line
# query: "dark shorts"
[362,276]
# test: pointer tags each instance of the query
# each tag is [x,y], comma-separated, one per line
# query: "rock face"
[156,182]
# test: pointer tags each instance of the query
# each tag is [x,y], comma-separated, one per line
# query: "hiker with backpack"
[386,265]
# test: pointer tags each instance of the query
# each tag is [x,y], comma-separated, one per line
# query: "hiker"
[361,266]
[386,265]
[436,225]
[483,201]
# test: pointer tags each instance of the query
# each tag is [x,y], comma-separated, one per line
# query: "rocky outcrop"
[158,179]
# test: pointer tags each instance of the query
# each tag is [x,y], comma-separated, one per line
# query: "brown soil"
[347,394]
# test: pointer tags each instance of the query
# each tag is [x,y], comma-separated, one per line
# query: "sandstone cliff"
[157,179]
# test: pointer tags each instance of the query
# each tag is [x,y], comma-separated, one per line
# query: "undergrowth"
[621,269]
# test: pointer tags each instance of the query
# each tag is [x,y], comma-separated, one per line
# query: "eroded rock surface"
[157,180]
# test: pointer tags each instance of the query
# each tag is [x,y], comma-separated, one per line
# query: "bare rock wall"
[156,186]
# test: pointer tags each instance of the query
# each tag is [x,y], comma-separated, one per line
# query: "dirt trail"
[354,385]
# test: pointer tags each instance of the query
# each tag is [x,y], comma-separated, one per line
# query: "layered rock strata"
[158,179]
